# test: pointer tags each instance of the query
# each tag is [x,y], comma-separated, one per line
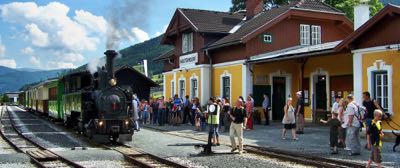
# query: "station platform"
[314,141]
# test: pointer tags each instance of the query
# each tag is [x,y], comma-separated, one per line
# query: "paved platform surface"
[315,141]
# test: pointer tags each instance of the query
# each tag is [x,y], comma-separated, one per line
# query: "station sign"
[189,60]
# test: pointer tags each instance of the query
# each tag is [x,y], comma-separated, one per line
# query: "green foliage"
[147,50]
[347,6]
[5,99]
[238,5]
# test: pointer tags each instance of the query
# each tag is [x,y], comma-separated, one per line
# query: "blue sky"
[64,34]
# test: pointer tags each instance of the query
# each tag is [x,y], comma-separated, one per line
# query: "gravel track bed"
[181,150]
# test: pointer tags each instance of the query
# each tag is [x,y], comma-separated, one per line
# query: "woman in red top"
[249,110]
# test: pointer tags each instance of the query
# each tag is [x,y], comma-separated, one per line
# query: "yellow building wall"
[236,81]
[336,65]
[187,75]
[167,84]
[287,66]
[392,58]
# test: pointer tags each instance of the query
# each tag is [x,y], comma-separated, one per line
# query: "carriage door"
[278,97]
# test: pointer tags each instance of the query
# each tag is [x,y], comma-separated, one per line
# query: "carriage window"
[172,88]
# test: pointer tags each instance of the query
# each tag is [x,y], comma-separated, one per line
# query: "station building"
[375,48]
[276,51]
[229,54]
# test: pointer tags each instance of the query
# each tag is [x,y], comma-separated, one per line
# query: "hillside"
[133,55]
[147,50]
[14,79]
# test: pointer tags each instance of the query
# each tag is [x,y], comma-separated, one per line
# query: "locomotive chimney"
[110,55]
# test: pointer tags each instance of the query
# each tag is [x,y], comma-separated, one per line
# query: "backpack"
[361,113]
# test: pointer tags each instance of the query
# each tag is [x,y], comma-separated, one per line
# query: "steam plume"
[125,14]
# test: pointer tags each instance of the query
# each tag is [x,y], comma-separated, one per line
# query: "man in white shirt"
[352,125]
[335,106]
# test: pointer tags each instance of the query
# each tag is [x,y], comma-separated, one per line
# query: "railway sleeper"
[42,155]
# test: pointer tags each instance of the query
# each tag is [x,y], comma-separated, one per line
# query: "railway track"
[141,158]
[296,157]
[38,154]
[301,158]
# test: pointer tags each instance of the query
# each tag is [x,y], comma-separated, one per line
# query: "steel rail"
[301,158]
[141,158]
[47,157]
[283,154]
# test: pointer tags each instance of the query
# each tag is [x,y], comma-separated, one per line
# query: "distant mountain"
[14,79]
[28,69]
[395,2]
[133,55]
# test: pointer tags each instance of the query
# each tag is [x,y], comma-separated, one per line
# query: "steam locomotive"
[93,104]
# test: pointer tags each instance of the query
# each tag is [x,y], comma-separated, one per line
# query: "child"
[375,141]
[334,124]
[197,119]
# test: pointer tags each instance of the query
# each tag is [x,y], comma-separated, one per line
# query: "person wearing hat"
[300,113]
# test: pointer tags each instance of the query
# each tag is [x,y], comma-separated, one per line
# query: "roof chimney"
[253,7]
[361,14]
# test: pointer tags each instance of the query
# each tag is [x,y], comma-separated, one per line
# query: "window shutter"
[190,41]
[184,43]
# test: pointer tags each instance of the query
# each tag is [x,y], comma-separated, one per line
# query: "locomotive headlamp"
[126,122]
[113,82]
[100,123]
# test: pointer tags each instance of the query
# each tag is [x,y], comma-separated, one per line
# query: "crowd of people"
[348,117]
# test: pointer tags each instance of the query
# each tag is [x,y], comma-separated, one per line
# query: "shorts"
[289,126]
[376,155]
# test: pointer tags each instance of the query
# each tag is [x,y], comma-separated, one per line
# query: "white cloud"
[8,63]
[92,22]
[52,20]
[27,51]
[60,65]
[139,35]
[69,56]
[37,36]
[162,31]
[35,61]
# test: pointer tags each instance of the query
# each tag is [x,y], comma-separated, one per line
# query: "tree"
[5,99]
[346,6]
[238,5]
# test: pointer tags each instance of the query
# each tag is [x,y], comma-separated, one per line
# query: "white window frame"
[315,34]
[304,34]
[180,88]
[194,93]
[381,66]
[226,74]
[267,38]
[187,42]
[379,85]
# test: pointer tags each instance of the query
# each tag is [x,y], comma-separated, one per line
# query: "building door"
[278,97]
[320,93]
